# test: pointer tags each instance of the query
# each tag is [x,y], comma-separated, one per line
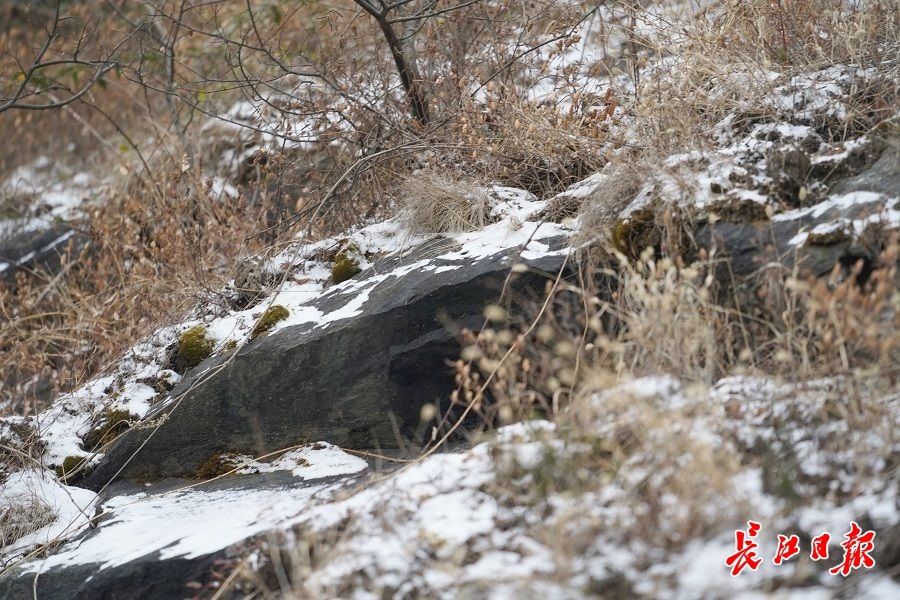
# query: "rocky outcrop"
[359,376]
[35,249]
[95,565]
[358,381]
[847,227]
[814,239]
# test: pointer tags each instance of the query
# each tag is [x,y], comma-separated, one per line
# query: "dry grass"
[653,317]
[639,313]
[601,223]
[727,64]
[22,516]
[435,203]
[809,32]
[542,149]
[625,442]
[673,462]
[159,240]
[149,259]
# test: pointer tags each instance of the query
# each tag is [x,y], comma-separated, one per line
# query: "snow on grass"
[43,190]
[475,519]
[68,509]
[433,507]
[62,425]
[181,523]
[451,520]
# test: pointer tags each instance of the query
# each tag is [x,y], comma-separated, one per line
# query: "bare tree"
[408,15]
[41,83]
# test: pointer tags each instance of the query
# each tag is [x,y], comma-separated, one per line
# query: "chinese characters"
[857,546]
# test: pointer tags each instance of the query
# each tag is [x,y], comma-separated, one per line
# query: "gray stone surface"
[883,176]
[359,382]
[149,577]
[36,249]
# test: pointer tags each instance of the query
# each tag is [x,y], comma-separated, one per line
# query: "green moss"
[268,319]
[112,424]
[636,232]
[739,211]
[346,264]
[216,465]
[72,466]
[193,347]
[231,345]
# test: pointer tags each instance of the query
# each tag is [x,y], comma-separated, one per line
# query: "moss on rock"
[72,467]
[267,321]
[193,347]
[113,423]
[216,465]
[634,233]
[734,210]
[346,264]
[828,238]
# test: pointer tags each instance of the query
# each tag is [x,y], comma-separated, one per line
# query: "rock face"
[842,230]
[358,382]
[814,239]
[176,561]
[39,248]
[144,578]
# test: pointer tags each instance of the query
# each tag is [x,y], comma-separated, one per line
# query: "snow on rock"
[300,274]
[476,520]
[309,462]
[182,524]
[434,507]
[559,507]
[53,191]
[782,162]
[62,425]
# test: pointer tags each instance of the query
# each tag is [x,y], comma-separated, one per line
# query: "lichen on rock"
[216,465]
[72,467]
[737,210]
[635,232]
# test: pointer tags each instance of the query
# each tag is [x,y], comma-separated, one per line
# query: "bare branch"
[26,88]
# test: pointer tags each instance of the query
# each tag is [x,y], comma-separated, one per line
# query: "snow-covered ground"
[38,195]
[511,516]
[42,191]
[184,522]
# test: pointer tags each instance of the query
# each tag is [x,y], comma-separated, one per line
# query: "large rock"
[145,578]
[883,176]
[206,529]
[814,239]
[847,227]
[34,249]
[358,382]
